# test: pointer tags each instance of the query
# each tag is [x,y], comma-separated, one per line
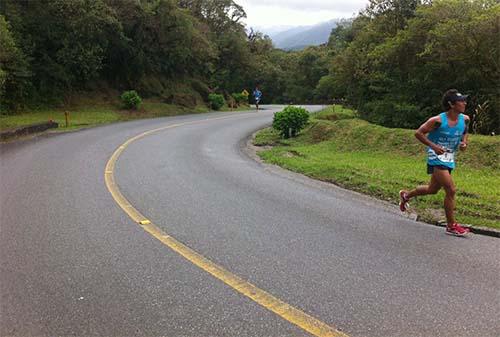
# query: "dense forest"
[391,62]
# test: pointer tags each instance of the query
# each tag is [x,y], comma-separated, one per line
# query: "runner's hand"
[463,146]
[438,149]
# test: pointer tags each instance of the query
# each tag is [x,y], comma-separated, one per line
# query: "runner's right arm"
[421,134]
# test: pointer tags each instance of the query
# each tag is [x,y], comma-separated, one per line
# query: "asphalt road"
[74,264]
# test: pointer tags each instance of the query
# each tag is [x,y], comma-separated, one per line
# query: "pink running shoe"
[457,230]
[403,204]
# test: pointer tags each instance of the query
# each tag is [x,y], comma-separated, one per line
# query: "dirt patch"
[432,216]
[321,132]
[292,154]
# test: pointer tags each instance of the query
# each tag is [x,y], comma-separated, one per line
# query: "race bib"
[447,157]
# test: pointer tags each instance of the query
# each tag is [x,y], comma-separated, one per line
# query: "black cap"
[455,97]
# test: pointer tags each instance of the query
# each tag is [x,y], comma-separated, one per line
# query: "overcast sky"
[269,13]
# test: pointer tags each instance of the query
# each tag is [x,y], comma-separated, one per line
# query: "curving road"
[73,263]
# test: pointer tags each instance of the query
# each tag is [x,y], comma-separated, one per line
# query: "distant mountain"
[273,30]
[297,38]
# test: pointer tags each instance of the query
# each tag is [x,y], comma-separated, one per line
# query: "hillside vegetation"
[338,147]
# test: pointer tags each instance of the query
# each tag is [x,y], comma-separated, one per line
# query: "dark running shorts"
[430,168]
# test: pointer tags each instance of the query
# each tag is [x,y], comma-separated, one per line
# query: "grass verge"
[89,114]
[338,147]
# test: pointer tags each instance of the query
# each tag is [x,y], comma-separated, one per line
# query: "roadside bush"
[290,121]
[131,99]
[216,101]
[240,98]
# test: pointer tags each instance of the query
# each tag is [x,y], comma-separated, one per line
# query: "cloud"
[345,6]
[269,13]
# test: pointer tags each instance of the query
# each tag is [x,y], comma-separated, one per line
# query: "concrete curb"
[27,130]
[475,229]
[251,150]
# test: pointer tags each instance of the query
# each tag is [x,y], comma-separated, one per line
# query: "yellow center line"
[263,298]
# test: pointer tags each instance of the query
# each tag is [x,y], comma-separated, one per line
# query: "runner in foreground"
[443,134]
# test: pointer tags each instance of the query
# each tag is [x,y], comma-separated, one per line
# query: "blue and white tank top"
[448,137]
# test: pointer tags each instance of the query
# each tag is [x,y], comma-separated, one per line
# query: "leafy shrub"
[290,121]
[240,98]
[131,99]
[216,101]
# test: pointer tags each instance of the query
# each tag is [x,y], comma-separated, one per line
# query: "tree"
[65,41]
[393,14]
[396,77]
[14,72]
[222,16]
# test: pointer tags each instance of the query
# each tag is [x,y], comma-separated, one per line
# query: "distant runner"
[257,94]
[443,134]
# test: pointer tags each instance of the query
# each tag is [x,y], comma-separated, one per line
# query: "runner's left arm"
[465,136]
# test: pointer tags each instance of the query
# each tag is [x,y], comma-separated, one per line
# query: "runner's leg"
[432,188]
[444,179]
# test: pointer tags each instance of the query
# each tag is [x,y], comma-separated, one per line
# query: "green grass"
[152,109]
[380,161]
[88,114]
[82,117]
